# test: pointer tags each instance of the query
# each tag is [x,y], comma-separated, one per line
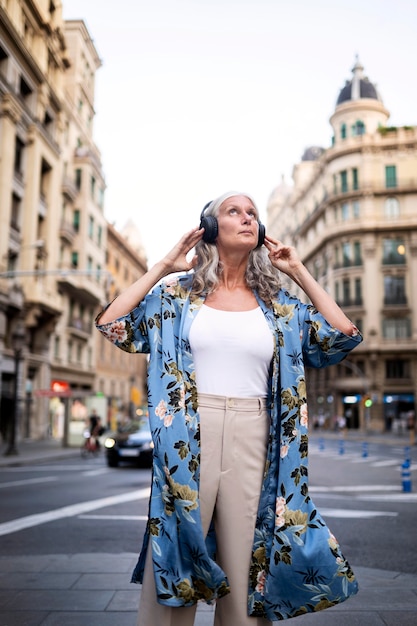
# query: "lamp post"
[18,341]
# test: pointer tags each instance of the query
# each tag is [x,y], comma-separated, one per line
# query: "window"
[355,178]
[15,212]
[396,328]
[358,128]
[99,235]
[93,187]
[358,291]
[101,197]
[24,89]
[343,131]
[76,220]
[346,291]
[390,176]
[12,261]
[78,178]
[345,211]
[347,254]
[391,208]
[90,264]
[397,368]
[57,348]
[343,181]
[393,252]
[337,256]
[74,260]
[18,156]
[394,290]
[356,209]
[3,62]
[357,256]
[91,227]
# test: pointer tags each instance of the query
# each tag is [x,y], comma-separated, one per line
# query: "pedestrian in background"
[230,516]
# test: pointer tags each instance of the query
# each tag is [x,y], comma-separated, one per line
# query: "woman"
[230,517]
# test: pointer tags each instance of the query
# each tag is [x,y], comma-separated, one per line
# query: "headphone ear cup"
[261,235]
[211,228]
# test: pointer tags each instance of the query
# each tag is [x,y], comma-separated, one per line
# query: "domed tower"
[359,107]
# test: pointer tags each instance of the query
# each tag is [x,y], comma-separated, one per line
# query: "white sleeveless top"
[232,352]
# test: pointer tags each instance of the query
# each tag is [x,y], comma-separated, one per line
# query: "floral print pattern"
[297,566]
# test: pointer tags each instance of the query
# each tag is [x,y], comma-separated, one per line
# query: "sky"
[198,97]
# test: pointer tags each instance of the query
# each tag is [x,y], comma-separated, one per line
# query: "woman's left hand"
[284,258]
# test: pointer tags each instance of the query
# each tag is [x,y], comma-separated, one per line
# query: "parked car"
[130,447]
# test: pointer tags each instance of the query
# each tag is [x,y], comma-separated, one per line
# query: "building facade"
[121,377]
[53,233]
[351,212]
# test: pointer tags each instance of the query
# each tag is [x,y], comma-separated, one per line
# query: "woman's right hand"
[176,259]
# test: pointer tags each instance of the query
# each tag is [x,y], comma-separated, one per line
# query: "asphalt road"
[76,506]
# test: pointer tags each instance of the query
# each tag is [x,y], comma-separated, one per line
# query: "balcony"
[79,328]
[69,188]
[67,232]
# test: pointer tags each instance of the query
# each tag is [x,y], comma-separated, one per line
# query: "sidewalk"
[40,451]
[94,589]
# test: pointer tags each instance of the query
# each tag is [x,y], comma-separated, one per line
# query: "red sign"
[60,385]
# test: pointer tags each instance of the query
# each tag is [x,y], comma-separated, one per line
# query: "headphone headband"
[211,227]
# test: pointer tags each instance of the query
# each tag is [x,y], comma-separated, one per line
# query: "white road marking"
[354,488]
[140,518]
[355,514]
[45,468]
[28,481]
[385,463]
[70,511]
[392,497]
[96,472]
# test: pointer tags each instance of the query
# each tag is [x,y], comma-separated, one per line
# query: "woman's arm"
[286,259]
[174,261]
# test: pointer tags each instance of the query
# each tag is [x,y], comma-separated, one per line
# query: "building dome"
[312,153]
[359,87]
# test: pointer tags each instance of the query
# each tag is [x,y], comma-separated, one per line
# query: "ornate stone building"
[53,233]
[121,377]
[352,214]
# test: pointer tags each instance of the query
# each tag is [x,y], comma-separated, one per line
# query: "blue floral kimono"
[297,566]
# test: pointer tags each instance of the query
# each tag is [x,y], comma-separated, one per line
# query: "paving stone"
[23,618]
[37,580]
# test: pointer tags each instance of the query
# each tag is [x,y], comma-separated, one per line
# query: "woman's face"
[238,224]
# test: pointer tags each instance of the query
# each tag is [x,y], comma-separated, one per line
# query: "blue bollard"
[321,443]
[407,454]
[341,446]
[364,449]
[406,477]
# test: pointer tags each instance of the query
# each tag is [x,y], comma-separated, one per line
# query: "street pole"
[18,341]
[12,448]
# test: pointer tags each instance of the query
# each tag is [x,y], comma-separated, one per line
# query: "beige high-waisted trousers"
[234,433]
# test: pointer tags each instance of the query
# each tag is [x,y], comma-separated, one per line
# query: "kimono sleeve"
[322,344]
[128,332]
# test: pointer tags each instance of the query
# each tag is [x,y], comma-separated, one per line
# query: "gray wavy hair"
[261,275]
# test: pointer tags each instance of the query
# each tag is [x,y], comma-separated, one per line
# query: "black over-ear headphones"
[211,228]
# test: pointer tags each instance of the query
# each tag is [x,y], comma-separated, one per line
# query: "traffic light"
[367,401]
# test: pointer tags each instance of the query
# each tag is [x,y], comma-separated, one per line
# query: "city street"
[74,507]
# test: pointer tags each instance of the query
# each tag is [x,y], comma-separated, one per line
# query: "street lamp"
[18,341]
